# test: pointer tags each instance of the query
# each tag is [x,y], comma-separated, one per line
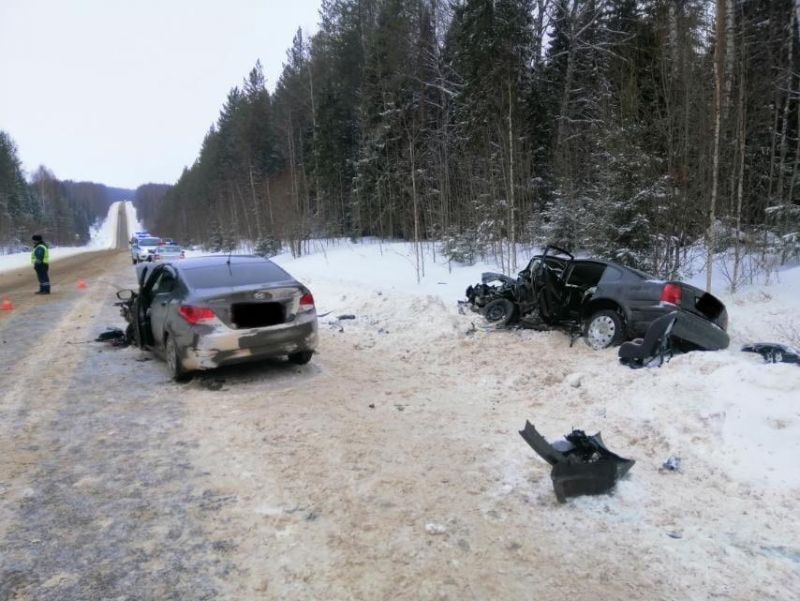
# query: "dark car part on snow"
[773,352]
[672,464]
[605,302]
[582,465]
[114,336]
[655,346]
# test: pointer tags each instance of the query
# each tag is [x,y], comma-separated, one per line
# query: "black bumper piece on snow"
[772,352]
[581,466]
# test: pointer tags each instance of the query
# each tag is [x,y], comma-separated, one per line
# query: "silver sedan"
[205,312]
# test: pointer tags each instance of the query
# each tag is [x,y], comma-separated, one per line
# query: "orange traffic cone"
[81,284]
[6,305]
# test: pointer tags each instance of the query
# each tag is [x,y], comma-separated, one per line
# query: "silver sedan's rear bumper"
[219,345]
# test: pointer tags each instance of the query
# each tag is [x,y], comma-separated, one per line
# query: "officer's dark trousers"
[44,278]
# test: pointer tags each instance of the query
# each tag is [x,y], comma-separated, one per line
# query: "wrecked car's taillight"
[195,315]
[672,294]
[307,302]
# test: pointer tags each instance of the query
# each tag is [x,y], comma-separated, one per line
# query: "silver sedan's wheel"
[174,363]
[604,330]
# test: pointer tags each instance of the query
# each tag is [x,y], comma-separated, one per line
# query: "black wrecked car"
[205,312]
[605,302]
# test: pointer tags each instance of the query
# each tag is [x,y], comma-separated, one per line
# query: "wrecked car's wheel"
[301,358]
[176,370]
[604,329]
[500,311]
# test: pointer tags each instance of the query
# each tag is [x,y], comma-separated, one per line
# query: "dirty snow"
[412,428]
[103,237]
[746,414]
[390,467]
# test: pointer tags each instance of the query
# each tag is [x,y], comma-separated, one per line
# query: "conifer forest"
[637,130]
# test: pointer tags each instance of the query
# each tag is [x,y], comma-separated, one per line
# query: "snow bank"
[389,267]
[725,412]
[134,225]
[103,236]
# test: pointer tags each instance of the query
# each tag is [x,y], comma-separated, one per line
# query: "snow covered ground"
[452,397]
[103,237]
[391,467]
[134,225]
[749,411]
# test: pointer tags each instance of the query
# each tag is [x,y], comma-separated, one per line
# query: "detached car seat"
[654,346]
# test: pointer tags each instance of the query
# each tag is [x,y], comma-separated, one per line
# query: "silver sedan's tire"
[604,329]
[301,358]
[174,363]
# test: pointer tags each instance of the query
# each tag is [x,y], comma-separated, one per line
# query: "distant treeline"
[147,200]
[62,211]
[634,129]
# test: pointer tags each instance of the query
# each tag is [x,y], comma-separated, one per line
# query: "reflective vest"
[45,258]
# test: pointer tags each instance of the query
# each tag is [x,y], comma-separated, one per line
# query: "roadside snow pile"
[134,225]
[731,417]
[378,283]
[103,236]
[387,267]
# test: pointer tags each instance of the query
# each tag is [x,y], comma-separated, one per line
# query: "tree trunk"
[256,207]
[416,208]
[511,200]
[719,76]
[740,184]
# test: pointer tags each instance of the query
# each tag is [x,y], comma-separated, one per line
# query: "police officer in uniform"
[40,259]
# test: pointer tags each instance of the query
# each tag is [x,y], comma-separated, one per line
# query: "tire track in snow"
[100,500]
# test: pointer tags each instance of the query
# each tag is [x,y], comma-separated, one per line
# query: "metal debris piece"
[773,352]
[672,464]
[114,336]
[346,316]
[582,465]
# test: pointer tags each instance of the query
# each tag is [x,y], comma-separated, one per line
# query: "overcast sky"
[121,92]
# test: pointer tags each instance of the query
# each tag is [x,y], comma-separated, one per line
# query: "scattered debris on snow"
[582,465]
[672,464]
[434,528]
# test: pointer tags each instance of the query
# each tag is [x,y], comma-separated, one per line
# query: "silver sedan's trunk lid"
[253,306]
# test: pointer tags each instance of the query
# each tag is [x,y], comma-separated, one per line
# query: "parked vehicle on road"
[144,249]
[204,312]
[138,236]
[169,252]
[605,302]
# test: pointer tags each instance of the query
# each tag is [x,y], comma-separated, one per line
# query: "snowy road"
[274,481]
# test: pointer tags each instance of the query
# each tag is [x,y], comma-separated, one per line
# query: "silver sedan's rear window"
[223,275]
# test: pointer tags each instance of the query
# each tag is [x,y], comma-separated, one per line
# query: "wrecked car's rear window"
[235,274]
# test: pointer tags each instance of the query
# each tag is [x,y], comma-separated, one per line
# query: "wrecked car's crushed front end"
[491,287]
